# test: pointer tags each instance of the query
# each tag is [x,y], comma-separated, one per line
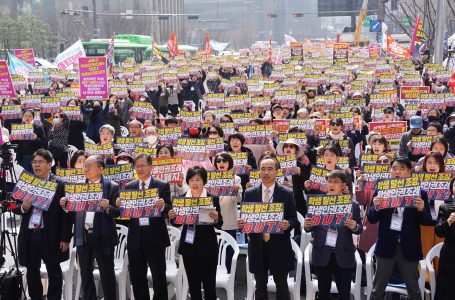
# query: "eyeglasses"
[334,124]
[221,160]
[388,112]
[334,182]
[213,132]
[383,161]
[38,162]
[289,146]
[141,166]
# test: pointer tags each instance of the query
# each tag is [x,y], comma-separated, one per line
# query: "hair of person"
[109,128]
[46,154]
[208,113]
[171,120]
[76,156]
[382,140]
[74,100]
[167,146]
[340,174]
[227,157]
[147,157]
[333,147]
[266,156]
[372,134]
[149,128]
[439,159]
[258,121]
[356,109]
[296,129]
[228,117]
[238,136]
[196,170]
[436,125]
[136,122]
[442,141]
[99,161]
[336,121]
[402,160]
[452,181]
[217,128]
[30,111]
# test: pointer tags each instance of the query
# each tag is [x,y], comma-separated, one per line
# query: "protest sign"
[220,183]
[299,137]
[93,149]
[21,132]
[214,146]
[70,175]
[287,164]
[146,150]
[369,159]
[128,144]
[50,105]
[170,135]
[281,126]
[190,119]
[255,178]
[142,110]
[344,145]
[371,173]
[392,131]
[70,56]
[329,210]
[168,169]
[240,163]
[256,134]
[73,113]
[340,53]
[83,196]
[139,204]
[262,217]
[437,185]
[39,191]
[398,192]
[317,178]
[296,51]
[322,126]
[93,78]
[191,149]
[421,144]
[120,174]
[32,102]
[6,83]
[342,163]
[187,209]
[307,125]
[26,55]
[449,164]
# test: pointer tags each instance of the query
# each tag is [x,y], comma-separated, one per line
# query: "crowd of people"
[318,113]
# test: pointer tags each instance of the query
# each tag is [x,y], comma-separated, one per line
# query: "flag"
[289,39]
[270,49]
[208,48]
[395,49]
[419,39]
[156,52]
[110,55]
[70,56]
[218,46]
[172,45]
[18,66]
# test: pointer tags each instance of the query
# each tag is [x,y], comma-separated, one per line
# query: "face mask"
[56,121]
[452,123]
[96,107]
[22,92]
[151,139]
[122,162]
[432,118]
[60,86]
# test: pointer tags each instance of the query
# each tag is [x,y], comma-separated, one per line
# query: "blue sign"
[375,26]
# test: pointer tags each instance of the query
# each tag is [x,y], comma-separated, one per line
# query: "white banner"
[70,56]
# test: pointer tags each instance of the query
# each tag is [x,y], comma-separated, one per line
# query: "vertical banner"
[6,84]
[340,53]
[93,78]
[26,55]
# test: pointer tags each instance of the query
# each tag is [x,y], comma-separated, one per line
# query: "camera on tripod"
[7,167]
[6,153]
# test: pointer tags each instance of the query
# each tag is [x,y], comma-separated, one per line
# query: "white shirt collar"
[97,181]
[203,194]
[147,183]
[272,189]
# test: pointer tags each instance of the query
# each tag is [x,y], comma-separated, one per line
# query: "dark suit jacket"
[205,240]
[344,248]
[57,228]
[409,234]
[104,230]
[281,256]
[155,234]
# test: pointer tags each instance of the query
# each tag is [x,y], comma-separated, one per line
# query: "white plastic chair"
[432,254]
[312,284]
[124,131]
[224,279]
[68,268]
[370,270]
[293,282]
[120,266]
[305,237]
[71,150]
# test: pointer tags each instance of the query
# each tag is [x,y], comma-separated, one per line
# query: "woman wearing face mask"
[114,115]
[167,151]
[78,160]
[26,148]
[151,137]
[97,116]
[77,128]
[228,204]
[433,115]
[449,132]
[58,139]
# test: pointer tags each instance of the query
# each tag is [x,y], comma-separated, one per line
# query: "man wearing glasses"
[148,237]
[95,233]
[44,235]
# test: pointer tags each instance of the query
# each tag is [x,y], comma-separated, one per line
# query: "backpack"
[11,284]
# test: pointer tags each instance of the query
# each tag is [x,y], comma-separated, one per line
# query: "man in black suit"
[96,235]
[399,241]
[148,237]
[271,252]
[44,235]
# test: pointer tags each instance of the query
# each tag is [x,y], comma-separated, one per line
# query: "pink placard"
[6,84]
[26,55]
[93,78]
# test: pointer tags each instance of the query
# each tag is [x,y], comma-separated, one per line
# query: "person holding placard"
[198,243]
[44,235]
[399,236]
[271,252]
[333,252]
[148,237]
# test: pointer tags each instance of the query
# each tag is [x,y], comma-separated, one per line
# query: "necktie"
[143,186]
[266,236]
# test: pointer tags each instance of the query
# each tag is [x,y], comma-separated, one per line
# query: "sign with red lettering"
[398,192]
[83,196]
[187,209]
[139,204]
[262,217]
[38,190]
[330,210]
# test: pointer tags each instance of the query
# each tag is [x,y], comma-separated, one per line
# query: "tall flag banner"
[172,45]
[270,49]
[156,52]
[289,39]
[26,55]
[419,39]
[70,56]
[208,48]
[6,84]
[18,66]
[395,49]
[110,55]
